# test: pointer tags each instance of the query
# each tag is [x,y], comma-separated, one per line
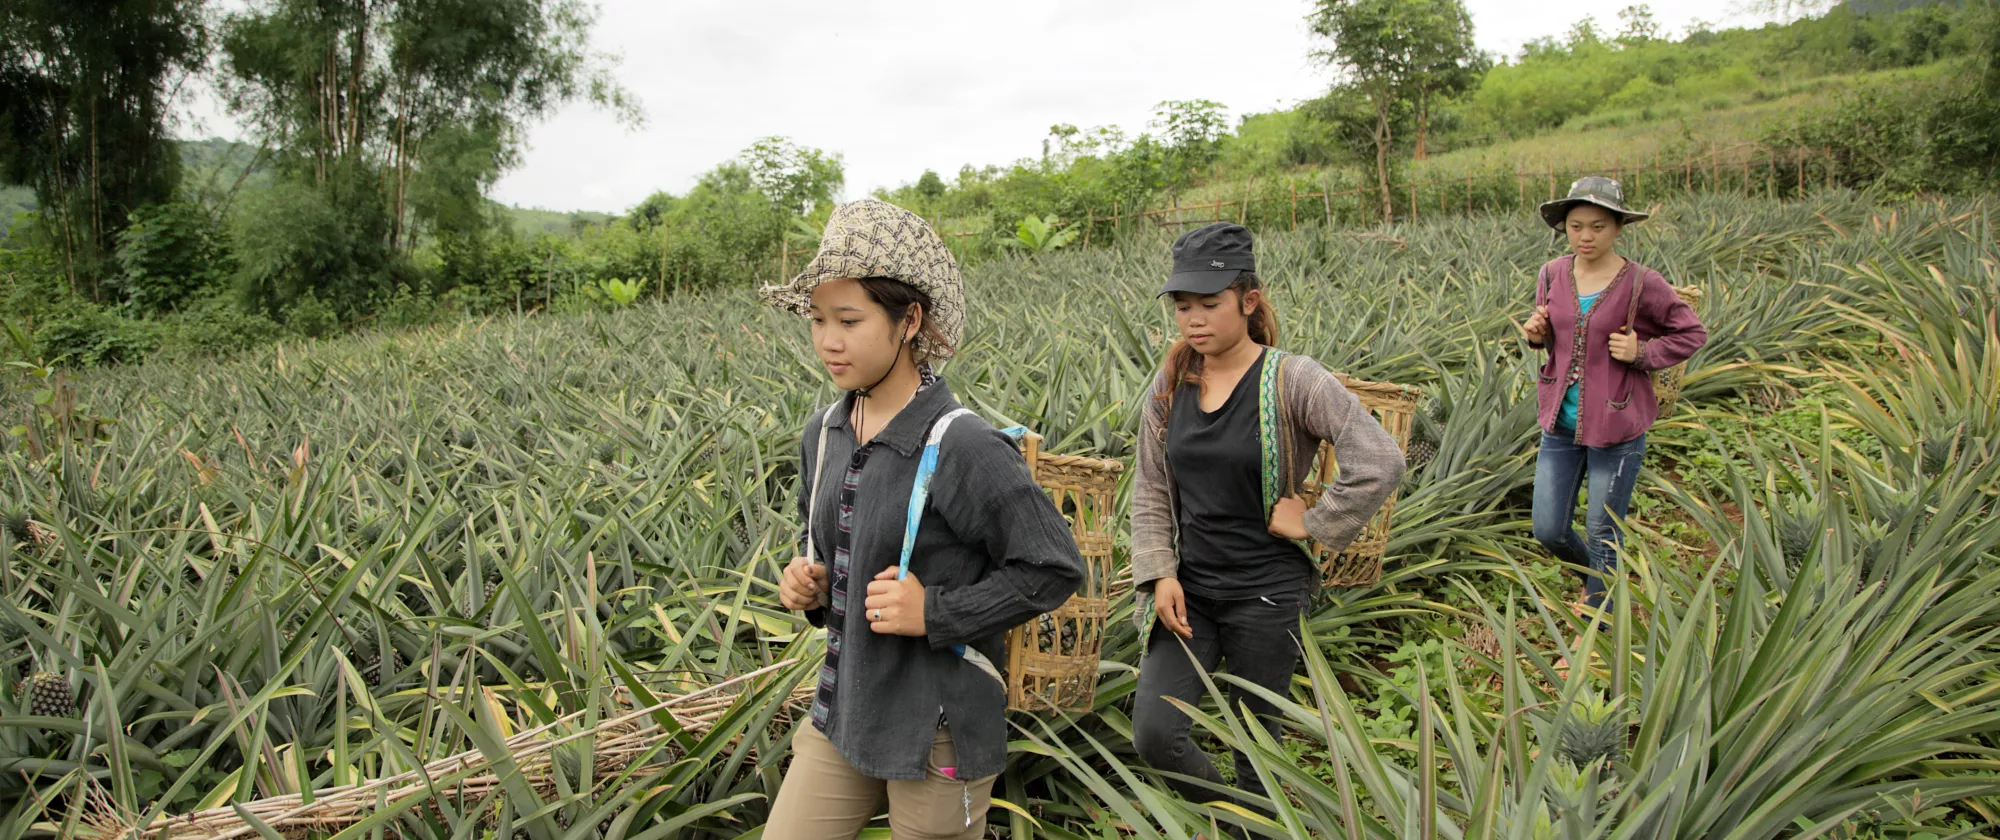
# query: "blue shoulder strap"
[920,489]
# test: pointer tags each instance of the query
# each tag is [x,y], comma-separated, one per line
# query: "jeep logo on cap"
[1216,263]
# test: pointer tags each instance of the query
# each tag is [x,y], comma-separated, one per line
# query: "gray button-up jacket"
[992,552]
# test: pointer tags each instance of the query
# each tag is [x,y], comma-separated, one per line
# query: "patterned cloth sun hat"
[871,238]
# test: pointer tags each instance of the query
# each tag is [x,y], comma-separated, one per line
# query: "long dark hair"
[1184,362]
[896,297]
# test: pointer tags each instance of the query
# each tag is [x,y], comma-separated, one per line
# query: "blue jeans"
[1559,474]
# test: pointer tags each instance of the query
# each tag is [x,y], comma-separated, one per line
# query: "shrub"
[88,334]
[295,240]
[215,325]
[171,252]
[309,317]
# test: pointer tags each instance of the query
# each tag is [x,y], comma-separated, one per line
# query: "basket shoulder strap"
[1632,308]
[920,493]
[819,467]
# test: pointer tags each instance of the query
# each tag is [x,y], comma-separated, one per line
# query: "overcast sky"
[899,86]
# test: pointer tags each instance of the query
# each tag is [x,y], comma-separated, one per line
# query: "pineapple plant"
[378,663]
[1796,530]
[48,694]
[1594,731]
[18,528]
[11,636]
[1425,434]
[492,584]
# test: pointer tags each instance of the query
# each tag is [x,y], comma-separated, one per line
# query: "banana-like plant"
[1040,234]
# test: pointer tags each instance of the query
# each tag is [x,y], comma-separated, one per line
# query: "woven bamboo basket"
[1667,383]
[1360,564]
[1052,660]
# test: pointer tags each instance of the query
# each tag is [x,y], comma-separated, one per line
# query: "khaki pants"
[824,798]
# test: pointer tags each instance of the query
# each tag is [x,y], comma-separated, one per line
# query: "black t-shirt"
[1227,550]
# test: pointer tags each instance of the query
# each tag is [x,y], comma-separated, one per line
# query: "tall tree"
[1192,130]
[796,178]
[85,87]
[1399,54]
[424,99]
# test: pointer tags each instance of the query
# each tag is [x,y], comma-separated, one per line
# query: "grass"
[547,519]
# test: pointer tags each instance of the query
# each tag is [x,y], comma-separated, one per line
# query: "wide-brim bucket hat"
[1596,189]
[873,238]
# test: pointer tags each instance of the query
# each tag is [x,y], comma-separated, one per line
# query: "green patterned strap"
[1271,428]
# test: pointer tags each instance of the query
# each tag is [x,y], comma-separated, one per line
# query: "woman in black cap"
[1596,390]
[1231,428]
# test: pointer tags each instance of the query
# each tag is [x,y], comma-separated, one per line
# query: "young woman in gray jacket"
[1230,427]
[910,710]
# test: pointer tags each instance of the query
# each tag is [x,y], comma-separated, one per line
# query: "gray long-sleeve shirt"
[1318,408]
[991,552]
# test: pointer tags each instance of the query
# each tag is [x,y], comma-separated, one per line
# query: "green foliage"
[308,317]
[84,93]
[1039,235]
[394,112]
[215,325]
[795,178]
[1192,132]
[169,254]
[1942,134]
[298,239]
[623,293]
[930,186]
[1557,82]
[88,334]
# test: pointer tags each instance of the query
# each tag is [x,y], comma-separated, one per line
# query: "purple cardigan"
[1616,403]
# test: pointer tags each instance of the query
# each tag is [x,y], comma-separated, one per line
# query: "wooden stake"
[1326,195]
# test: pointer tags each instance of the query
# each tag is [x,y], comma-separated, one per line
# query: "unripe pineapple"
[1595,731]
[467,438]
[377,664]
[1938,454]
[1426,432]
[48,694]
[18,529]
[1796,530]
[740,529]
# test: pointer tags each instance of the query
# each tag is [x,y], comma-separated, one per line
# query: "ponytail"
[1184,362]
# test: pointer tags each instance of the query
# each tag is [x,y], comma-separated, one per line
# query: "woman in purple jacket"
[1596,390]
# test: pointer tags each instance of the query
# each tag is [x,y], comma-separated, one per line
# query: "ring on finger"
[878,616]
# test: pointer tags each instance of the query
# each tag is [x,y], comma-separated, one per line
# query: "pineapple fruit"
[48,694]
[1425,434]
[1595,730]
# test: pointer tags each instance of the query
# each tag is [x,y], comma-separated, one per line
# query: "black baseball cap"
[1208,259]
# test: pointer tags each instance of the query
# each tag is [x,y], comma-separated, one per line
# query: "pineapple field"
[516,577]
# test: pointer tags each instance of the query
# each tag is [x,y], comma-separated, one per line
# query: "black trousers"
[1256,638]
